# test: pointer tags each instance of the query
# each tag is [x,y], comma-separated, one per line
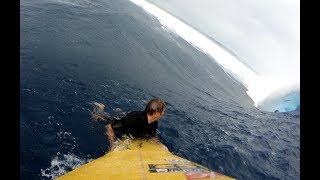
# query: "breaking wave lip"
[284,101]
[258,87]
[62,164]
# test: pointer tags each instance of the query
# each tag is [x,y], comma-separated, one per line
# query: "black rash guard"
[136,124]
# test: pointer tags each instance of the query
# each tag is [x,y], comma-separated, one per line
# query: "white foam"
[77,3]
[259,88]
[63,163]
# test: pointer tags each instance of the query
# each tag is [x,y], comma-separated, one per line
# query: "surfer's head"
[155,109]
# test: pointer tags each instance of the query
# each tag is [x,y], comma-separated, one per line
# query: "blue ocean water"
[75,52]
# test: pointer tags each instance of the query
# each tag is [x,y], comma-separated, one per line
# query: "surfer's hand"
[154,140]
[112,147]
[164,147]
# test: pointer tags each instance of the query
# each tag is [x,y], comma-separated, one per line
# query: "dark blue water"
[75,52]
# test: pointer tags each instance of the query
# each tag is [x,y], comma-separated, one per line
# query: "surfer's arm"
[116,125]
[110,134]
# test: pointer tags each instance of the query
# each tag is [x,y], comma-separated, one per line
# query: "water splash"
[61,164]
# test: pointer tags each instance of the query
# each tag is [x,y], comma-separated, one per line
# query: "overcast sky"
[264,34]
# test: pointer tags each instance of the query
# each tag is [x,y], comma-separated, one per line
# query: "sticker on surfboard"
[157,168]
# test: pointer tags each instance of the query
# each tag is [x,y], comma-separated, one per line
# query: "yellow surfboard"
[141,159]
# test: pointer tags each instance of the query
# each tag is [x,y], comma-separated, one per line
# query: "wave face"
[74,53]
[256,89]
[262,35]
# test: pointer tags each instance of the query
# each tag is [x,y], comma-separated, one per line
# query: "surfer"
[141,124]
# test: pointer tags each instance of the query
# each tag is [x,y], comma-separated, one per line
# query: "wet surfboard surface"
[141,159]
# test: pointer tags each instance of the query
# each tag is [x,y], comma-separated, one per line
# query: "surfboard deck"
[141,159]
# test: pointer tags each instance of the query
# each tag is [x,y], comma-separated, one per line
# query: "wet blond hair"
[154,106]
